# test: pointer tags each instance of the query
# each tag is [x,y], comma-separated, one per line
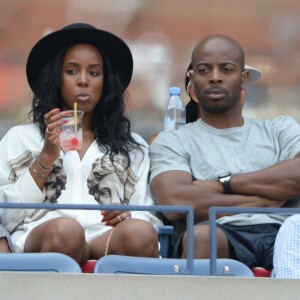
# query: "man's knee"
[201,237]
[201,242]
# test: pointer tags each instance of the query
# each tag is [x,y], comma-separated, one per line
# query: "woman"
[93,68]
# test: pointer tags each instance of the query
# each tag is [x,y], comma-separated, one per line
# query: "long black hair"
[112,128]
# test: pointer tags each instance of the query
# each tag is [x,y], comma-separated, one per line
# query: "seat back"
[165,233]
[38,262]
[114,264]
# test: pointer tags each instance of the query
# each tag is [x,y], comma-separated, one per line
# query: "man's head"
[218,74]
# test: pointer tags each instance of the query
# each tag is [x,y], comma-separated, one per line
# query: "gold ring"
[47,130]
[119,218]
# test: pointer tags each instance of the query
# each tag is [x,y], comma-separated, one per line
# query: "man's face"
[217,75]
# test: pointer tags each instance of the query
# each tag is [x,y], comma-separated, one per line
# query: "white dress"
[74,181]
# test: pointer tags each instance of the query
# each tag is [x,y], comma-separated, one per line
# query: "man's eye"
[202,70]
[227,70]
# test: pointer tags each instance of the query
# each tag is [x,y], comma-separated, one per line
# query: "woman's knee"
[137,238]
[57,235]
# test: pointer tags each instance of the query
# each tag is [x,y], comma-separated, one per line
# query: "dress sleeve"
[16,182]
[142,194]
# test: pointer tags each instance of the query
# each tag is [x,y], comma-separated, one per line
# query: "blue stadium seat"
[38,262]
[117,264]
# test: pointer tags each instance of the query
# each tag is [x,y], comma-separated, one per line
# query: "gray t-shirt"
[206,152]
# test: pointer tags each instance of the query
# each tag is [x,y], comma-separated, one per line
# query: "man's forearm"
[278,182]
[202,195]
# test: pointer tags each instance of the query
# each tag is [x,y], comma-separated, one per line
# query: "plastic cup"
[71,134]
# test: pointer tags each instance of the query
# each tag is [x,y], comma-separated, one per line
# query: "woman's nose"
[82,80]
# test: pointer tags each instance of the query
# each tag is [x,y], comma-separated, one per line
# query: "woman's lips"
[82,97]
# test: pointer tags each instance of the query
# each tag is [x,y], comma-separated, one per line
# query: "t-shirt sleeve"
[167,153]
[287,131]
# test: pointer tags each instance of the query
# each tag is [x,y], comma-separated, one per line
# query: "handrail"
[237,210]
[157,208]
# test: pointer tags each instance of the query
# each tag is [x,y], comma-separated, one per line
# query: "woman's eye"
[71,71]
[94,73]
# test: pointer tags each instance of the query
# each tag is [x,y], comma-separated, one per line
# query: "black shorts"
[252,245]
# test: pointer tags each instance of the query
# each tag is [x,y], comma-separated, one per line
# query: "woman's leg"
[63,235]
[131,237]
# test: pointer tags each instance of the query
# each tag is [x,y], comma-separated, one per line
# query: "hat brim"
[254,73]
[108,44]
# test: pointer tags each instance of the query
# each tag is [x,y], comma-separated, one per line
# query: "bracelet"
[39,174]
[108,241]
[41,167]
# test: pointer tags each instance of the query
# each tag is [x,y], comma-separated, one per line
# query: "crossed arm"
[270,187]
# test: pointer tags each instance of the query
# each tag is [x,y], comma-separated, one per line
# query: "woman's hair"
[112,128]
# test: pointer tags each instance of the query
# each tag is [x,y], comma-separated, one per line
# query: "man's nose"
[216,76]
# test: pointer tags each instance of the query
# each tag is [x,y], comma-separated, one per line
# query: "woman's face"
[82,77]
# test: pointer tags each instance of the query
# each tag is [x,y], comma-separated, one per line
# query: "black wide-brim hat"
[110,45]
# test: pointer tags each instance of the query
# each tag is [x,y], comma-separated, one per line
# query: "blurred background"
[161,35]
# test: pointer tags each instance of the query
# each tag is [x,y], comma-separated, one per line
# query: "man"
[225,159]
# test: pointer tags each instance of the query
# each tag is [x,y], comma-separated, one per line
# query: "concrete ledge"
[117,287]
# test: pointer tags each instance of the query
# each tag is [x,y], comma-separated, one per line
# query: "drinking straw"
[75,117]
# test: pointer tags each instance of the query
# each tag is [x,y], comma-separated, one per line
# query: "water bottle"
[175,112]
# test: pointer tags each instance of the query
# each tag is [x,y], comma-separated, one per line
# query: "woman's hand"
[51,148]
[113,218]
[53,122]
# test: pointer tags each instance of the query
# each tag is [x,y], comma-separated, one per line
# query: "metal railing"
[150,208]
[213,211]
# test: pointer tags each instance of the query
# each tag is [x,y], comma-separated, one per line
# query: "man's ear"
[245,77]
[190,87]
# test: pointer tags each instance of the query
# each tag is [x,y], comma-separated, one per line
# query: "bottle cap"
[174,90]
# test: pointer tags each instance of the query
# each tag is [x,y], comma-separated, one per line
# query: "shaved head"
[218,76]
[219,43]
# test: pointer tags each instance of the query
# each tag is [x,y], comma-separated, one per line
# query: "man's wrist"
[225,180]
